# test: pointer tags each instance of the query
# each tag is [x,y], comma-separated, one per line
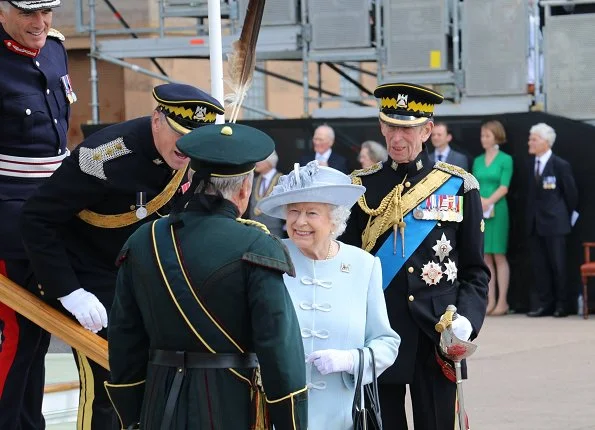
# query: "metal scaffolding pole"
[147,72]
[305,60]
[456,46]
[93,51]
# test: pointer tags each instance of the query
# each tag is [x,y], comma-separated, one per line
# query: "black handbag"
[366,417]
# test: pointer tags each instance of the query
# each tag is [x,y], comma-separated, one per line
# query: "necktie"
[263,187]
[439,157]
[537,174]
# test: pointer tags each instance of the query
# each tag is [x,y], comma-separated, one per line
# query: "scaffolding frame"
[282,42]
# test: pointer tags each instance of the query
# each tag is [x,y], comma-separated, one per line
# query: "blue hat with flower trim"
[311,183]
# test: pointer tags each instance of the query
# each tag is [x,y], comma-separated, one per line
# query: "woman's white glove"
[86,308]
[331,360]
[461,327]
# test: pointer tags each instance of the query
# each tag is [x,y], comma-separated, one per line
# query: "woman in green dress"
[493,170]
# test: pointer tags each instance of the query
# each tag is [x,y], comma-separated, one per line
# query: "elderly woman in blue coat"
[337,292]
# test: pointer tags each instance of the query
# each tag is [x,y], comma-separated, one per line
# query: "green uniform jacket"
[237,271]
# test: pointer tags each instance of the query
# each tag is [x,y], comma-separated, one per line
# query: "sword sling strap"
[129,218]
[194,312]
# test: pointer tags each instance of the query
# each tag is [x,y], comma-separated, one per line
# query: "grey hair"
[5,6]
[329,131]
[545,132]
[272,159]
[226,186]
[339,216]
[377,151]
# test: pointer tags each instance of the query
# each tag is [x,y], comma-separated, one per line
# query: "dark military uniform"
[447,267]
[185,329]
[34,116]
[77,222]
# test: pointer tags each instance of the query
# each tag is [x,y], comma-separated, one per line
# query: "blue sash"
[415,233]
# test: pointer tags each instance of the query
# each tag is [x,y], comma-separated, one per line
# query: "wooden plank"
[88,343]
[60,387]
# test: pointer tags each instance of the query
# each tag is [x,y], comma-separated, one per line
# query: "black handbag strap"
[372,387]
[357,398]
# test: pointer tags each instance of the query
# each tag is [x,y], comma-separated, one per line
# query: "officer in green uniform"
[74,226]
[202,331]
[424,221]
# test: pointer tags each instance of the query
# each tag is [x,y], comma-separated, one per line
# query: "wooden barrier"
[86,342]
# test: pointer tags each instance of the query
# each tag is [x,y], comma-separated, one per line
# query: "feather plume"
[242,59]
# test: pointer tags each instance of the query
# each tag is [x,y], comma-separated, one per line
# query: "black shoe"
[539,312]
[560,313]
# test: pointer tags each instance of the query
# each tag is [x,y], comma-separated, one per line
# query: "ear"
[426,130]
[449,137]
[246,188]
[156,121]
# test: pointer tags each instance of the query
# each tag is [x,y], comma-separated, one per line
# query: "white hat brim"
[338,195]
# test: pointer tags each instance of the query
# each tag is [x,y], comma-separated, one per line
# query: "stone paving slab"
[527,374]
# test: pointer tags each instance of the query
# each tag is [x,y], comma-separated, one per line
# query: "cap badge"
[402,101]
[200,112]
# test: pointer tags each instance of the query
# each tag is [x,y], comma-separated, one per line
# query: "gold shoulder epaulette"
[56,35]
[367,171]
[469,181]
[254,223]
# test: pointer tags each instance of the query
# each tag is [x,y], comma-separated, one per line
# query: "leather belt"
[183,360]
[203,360]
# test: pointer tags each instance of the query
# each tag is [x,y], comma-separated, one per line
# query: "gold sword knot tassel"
[398,223]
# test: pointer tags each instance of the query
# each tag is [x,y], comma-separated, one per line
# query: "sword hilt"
[446,318]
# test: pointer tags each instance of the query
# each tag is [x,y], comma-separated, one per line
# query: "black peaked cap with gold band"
[186,107]
[406,105]
[225,150]
[33,5]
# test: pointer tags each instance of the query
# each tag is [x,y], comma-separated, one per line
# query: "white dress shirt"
[443,154]
[266,180]
[543,159]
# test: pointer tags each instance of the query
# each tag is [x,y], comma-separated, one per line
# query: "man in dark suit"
[441,138]
[551,200]
[323,140]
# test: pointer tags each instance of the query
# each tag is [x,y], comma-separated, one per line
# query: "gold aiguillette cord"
[399,223]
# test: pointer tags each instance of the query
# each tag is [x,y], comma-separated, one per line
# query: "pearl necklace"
[330,249]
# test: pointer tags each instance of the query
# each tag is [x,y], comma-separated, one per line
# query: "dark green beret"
[224,150]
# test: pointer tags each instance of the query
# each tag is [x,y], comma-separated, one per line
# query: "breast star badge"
[431,273]
[442,248]
[451,271]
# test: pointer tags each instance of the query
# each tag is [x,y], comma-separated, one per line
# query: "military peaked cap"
[186,107]
[406,105]
[33,5]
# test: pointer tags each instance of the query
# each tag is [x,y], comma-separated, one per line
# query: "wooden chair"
[587,271]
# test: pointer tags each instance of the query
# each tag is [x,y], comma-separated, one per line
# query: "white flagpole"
[216,53]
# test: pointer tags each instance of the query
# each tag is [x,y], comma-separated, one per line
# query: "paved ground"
[528,374]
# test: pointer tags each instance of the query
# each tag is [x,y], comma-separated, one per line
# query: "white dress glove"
[461,327]
[331,360]
[86,308]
